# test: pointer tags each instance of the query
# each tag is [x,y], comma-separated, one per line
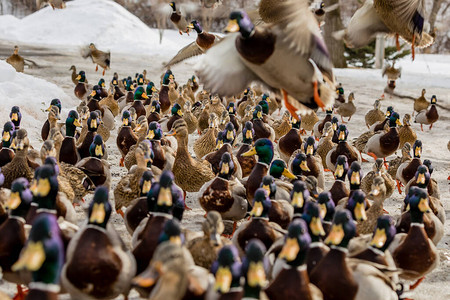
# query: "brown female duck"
[374,115]
[406,132]
[291,141]
[207,142]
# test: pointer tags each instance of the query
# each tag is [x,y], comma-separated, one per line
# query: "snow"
[32,95]
[103,22]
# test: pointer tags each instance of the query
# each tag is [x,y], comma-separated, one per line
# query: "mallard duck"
[342,148]
[12,230]
[428,116]
[163,200]
[203,42]
[68,152]
[327,210]
[6,153]
[203,118]
[247,162]
[190,174]
[313,161]
[92,125]
[232,115]
[396,162]
[190,119]
[414,251]
[216,106]
[163,149]
[207,142]
[319,125]
[407,170]
[392,73]
[384,144]
[299,196]
[224,193]
[177,113]
[239,48]
[245,100]
[339,189]
[128,187]
[19,165]
[325,143]
[374,115]
[280,188]
[406,132]
[178,19]
[347,109]
[430,183]
[164,92]
[102,249]
[420,103]
[320,12]
[52,117]
[282,126]
[111,104]
[154,112]
[141,131]
[125,137]
[388,17]
[100,58]
[378,169]
[352,279]
[81,88]
[259,226]
[15,116]
[95,167]
[64,185]
[224,119]
[16,60]
[340,99]
[291,141]
[356,204]
[262,129]
[205,249]
[228,264]
[292,281]
[281,211]
[309,119]
[74,74]
[48,247]
[174,95]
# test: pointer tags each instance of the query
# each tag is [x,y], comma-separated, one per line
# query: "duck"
[309,119]
[384,144]
[342,148]
[203,42]
[52,116]
[279,172]
[15,116]
[17,61]
[163,148]
[262,130]
[374,115]
[224,194]
[112,105]
[177,113]
[95,166]
[240,49]
[102,88]
[203,119]
[65,187]
[190,119]
[356,204]
[178,19]
[154,112]
[414,251]
[339,189]
[259,226]
[174,95]
[325,144]
[103,127]
[224,119]
[313,161]
[81,88]
[231,108]
[407,169]
[207,142]
[19,166]
[92,124]
[420,103]
[68,152]
[428,116]
[6,153]
[282,126]
[165,201]
[128,187]
[138,98]
[164,92]
[299,196]
[281,211]
[327,210]
[190,174]
[141,131]
[292,281]
[99,58]
[319,125]
[42,242]
[245,100]
[13,236]
[228,264]
[406,132]
[264,149]
[247,162]
[378,169]
[347,109]
[205,249]
[396,162]
[74,74]
[291,141]
[349,280]
[215,105]
[98,239]
[125,137]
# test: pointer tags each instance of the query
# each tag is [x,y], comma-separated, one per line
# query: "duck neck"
[416,217]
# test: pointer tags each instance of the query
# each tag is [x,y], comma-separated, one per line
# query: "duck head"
[219,139]
[154,131]
[433,100]
[55,102]
[357,205]
[20,198]
[139,93]
[101,83]
[265,106]
[264,149]
[150,88]
[213,227]
[93,121]
[140,80]
[172,233]
[394,120]
[310,146]
[96,92]
[227,269]
[342,133]
[296,243]
[97,148]
[378,189]
[342,230]
[429,165]
[340,90]
[278,168]
[296,122]
[335,123]
[240,21]
[8,131]
[45,187]
[176,110]
[417,149]
[129,86]
[229,133]
[389,111]
[300,165]
[311,215]
[163,196]
[254,269]
[261,204]
[422,177]
[196,26]
[299,196]
[51,161]
[15,116]
[146,182]
[231,108]
[20,141]
[155,107]
[144,153]
[418,205]
[247,133]
[100,209]
[126,118]
[226,166]
[268,183]
[168,77]
[341,167]
[354,175]
[326,206]
[81,76]
[384,233]
[72,122]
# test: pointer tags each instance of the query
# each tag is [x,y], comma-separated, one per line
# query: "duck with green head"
[96,256]
[299,197]
[126,136]
[68,152]
[259,226]
[356,204]
[164,92]
[342,148]
[262,130]
[277,170]
[264,149]
[139,96]
[43,256]
[6,153]
[15,116]
[291,141]
[247,162]
[423,180]
[327,210]
[339,189]
[154,112]
[102,88]
[81,88]
[254,270]
[46,127]
[231,108]
[313,161]
[177,113]
[281,211]
[92,122]
[227,272]
[382,144]
[408,169]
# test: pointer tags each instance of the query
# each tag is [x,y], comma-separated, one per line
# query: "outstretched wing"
[186,52]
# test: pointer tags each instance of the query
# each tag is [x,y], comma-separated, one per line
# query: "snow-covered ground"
[135,47]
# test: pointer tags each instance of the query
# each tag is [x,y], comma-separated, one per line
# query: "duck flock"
[257,164]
